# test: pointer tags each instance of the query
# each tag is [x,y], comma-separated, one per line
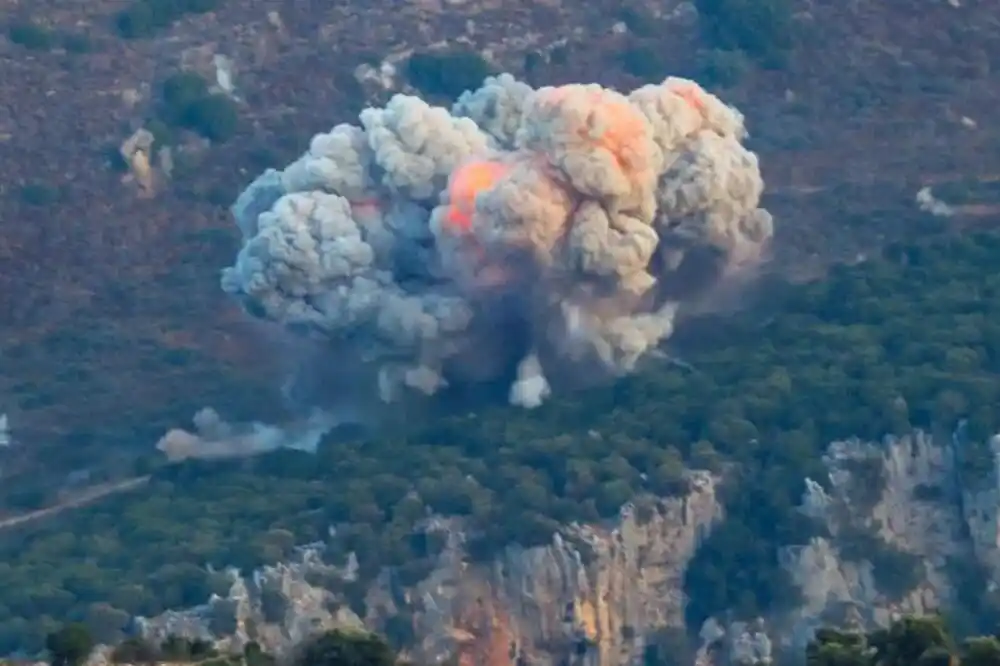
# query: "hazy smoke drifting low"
[522,232]
[215,438]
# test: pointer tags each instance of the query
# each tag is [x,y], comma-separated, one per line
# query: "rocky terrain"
[899,527]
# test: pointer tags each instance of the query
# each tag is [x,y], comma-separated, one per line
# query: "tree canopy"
[910,641]
[69,646]
[909,339]
[341,648]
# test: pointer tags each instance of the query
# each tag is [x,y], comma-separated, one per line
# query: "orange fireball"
[612,123]
[467,182]
[690,92]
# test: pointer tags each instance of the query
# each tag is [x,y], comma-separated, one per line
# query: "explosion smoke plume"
[558,227]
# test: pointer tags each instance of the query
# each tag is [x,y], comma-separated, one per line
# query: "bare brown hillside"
[112,327]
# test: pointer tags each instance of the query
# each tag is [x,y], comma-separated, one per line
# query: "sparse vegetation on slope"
[36,37]
[911,339]
[762,29]
[144,18]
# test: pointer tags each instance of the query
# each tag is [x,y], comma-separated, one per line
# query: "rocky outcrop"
[894,517]
[873,500]
[588,598]
[981,513]
[278,607]
[903,504]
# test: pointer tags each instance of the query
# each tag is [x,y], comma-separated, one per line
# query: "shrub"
[39,194]
[76,43]
[134,651]
[896,571]
[341,648]
[644,62]
[213,117]
[69,646]
[723,68]
[179,91]
[187,103]
[559,55]
[135,22]
[146,17]
[447,74]
[760,28]
[639,21]
[533,62]
[162,134]
[30,36]
[867,481]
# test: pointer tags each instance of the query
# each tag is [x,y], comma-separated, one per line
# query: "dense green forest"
[909,339]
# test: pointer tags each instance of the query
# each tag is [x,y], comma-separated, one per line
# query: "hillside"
[109,293]
[114,328]
[905,341]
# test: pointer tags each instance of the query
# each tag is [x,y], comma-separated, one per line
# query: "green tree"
[869,350]
[611,495]
[838,648]
[187,102]
[106,623]
[645,62]
[70,645]
[134,651]
[214,117]
[179,91]
[254,656]
[909,639]
[344,648]
[704,456]
[981,651]
[30,35]
[447,74]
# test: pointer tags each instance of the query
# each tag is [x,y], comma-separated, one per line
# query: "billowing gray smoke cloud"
[522,231]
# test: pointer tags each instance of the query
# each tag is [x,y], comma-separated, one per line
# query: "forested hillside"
[908,339]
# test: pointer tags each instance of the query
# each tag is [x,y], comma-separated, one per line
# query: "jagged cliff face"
[906,494]
[595,595]
[589,598]
[832,582]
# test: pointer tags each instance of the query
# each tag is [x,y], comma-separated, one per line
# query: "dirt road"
[85,497]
